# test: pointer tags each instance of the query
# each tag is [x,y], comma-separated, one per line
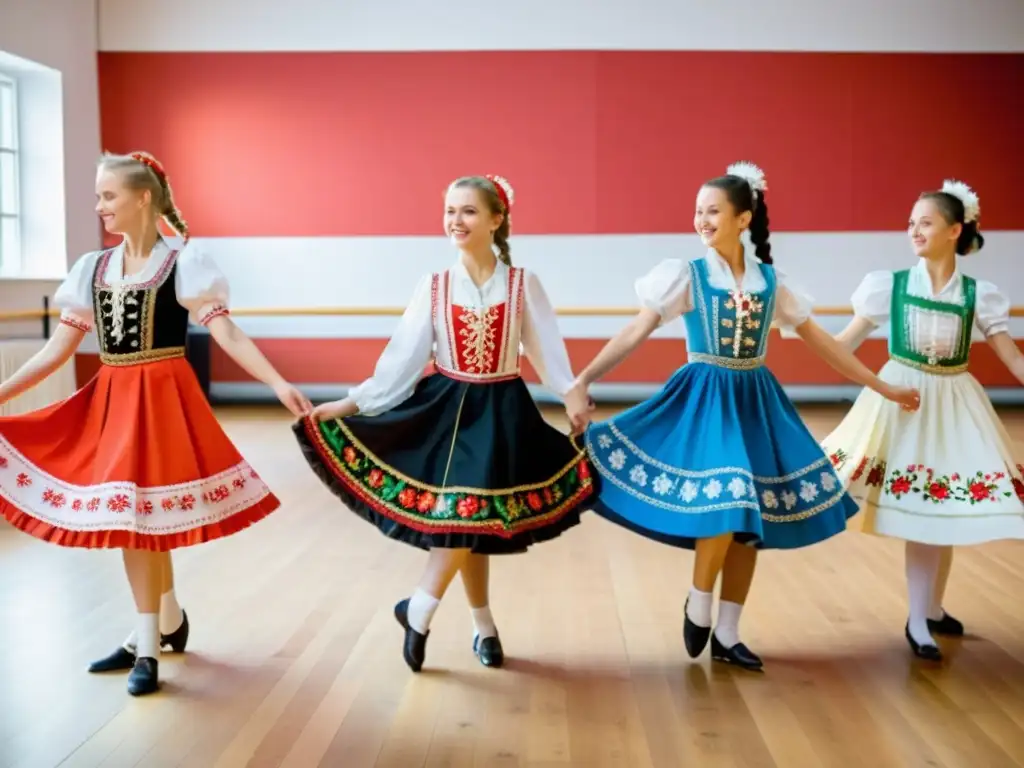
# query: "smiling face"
[468,221]
[932,235]
[120,208]
[716,220]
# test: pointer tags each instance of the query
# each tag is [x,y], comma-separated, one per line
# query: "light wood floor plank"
[295,659]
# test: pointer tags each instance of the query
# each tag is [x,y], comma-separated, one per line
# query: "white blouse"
[938,333]
[425,334]
[667,288]
[199,284]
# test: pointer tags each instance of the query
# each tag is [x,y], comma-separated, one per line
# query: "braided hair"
[141,171]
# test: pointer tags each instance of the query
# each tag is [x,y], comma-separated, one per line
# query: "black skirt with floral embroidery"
[457,465]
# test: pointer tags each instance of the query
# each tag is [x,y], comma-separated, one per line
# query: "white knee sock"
[935,610]
[148,630]
[171,615]
[727,630]
[421,610]
[922,567]
[483,622]
[698,607]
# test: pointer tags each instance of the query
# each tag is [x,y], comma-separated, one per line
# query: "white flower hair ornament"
[967,196]
[505,191]
[751,174]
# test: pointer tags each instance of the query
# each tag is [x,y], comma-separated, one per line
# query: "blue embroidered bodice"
[728,324]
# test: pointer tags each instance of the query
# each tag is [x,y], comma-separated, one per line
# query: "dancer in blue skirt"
[719,460]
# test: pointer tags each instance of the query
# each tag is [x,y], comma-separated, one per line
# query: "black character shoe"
[414,649]
[119,661]
[928,652]
[489,651]
[947,625]
[178,639]
[739,655]
[694,637]
[143,678]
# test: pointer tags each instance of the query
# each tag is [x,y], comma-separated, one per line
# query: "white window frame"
[7,210]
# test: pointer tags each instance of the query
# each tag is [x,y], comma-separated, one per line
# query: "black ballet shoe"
[489,651]
[178,639]
[947,625]
[120,660]
[143,679]
[739,655]
[694,637]
[414,649]
[928,652]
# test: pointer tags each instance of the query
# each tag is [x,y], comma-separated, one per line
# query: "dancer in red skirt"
[135,460]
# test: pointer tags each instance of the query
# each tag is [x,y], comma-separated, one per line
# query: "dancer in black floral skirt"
[460,463]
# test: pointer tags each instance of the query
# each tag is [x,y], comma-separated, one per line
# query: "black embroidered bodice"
[139,322]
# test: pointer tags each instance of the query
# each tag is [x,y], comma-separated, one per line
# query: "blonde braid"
[171,213]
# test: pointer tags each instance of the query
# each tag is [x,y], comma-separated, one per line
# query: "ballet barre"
[47,313]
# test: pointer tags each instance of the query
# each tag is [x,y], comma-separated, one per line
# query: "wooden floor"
[295,658]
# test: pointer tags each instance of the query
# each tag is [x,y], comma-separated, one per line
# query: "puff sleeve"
[873,296]
[793,305]
[402,364]
[74,296]
[991,309]
[666,289]
[542,340]
[200,285]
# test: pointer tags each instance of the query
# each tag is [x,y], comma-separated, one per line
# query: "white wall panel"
[410,25]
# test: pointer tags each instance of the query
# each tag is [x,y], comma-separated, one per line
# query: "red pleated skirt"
[134,460]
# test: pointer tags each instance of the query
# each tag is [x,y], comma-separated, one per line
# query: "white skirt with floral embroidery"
[944,475]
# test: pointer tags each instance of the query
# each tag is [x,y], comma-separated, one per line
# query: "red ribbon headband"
[505,191]
[151,162]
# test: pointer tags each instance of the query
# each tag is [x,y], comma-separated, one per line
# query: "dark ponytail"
[742,197]
[952,210]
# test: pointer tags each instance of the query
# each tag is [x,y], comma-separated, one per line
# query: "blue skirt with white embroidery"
[717,451]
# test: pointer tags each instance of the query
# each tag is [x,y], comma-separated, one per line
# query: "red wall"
[595,142]
[334,144]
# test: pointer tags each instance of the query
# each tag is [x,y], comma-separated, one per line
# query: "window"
[9,218]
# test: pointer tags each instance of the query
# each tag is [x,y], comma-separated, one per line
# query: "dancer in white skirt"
[946,474]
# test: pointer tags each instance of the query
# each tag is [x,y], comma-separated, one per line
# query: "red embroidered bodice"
[481,344]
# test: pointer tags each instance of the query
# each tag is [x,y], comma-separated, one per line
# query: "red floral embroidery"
[167,504]
[859,470]
[143,507]
[24,480]
[187,502]
[76,505]
[94,504]
[407,498]
[118,503]
[917,478]
[401,497]
[468,506]
[3,462]
[53,498]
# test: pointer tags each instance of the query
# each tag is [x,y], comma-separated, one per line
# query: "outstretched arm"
[243,351]
[620,347]
[1008,351]
[57,351]
[855,333]
[844,361]
[202,288]
[400,366]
